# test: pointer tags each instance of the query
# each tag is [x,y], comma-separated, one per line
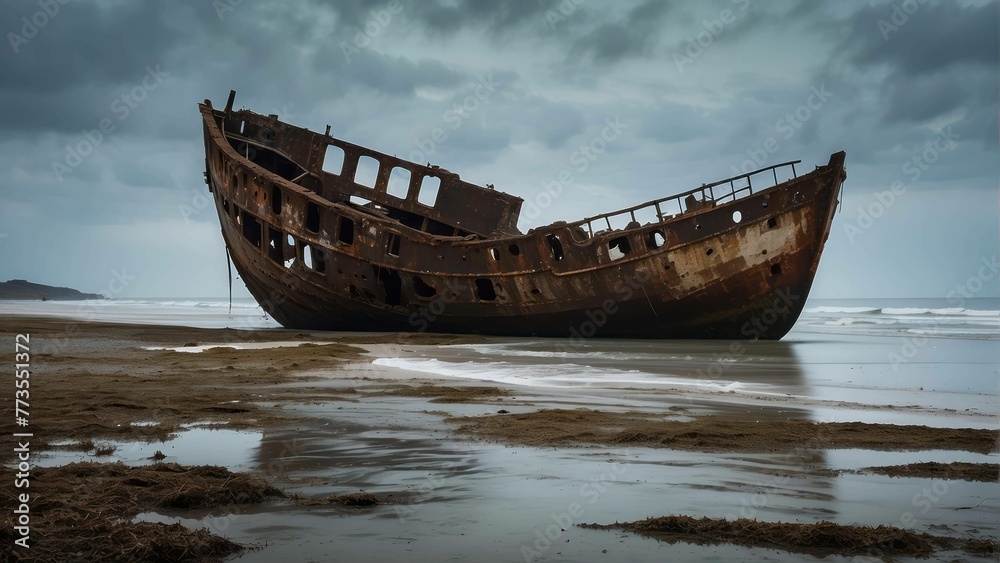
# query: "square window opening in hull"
[251,228]
[366,173]
[275,244]
[307,258]
[399,183]
[484,288]
[313,258]
[345,233]
[618,248]
[429,186]
[555,247]
[392,245]
[312,217]
[333,162]
[392,284]
[276,200]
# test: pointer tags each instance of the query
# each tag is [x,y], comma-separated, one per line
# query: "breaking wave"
[943,322]
[906,311]
[556,375]
[508,350]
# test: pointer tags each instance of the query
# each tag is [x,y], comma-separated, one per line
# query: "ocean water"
[210,312]
[976,319]
[901,361]
[923,357]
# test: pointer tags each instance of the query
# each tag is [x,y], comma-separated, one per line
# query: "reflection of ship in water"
[373,444]
[322,451]
[755,363]
[791,483]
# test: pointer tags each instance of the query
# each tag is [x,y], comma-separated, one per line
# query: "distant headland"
[27,291]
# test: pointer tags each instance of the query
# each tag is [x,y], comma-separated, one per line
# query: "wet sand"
[708,433]
[85,511]
[820,539]
[466,466]
[985,472]
[97,380]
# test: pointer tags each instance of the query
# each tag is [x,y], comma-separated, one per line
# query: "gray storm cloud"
[389,75]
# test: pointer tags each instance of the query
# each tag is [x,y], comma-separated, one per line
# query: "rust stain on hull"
[424,250]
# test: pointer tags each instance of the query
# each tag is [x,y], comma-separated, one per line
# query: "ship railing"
[679,204]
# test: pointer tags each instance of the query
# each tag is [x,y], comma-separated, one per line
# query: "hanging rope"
[643,286]
[229,266]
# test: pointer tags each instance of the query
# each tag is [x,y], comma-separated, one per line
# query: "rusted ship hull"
[736,269]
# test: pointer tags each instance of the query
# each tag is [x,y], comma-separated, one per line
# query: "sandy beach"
[283,444]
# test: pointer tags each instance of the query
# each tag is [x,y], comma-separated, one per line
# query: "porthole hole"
[655,239]
[422,289]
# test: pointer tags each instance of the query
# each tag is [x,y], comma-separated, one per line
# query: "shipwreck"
[330,235]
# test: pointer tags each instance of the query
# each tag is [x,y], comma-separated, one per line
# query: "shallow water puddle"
[857,459]
[235,449]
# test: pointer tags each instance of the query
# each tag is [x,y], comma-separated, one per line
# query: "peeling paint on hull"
[732,266]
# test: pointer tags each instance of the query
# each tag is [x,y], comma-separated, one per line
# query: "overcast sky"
[694,90]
